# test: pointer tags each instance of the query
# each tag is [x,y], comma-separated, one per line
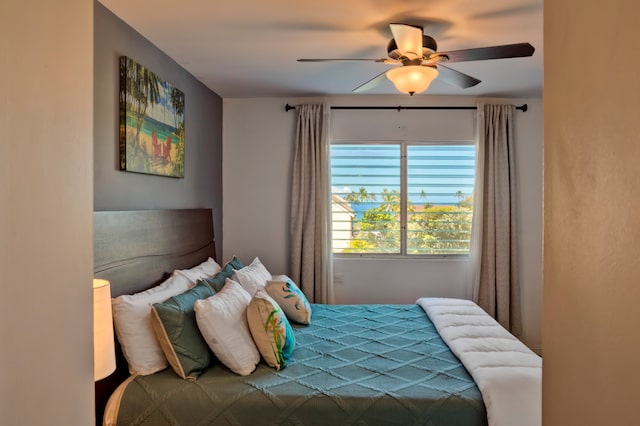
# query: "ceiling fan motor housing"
[429,46]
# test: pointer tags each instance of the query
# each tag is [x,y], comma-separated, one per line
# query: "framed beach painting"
[151,122]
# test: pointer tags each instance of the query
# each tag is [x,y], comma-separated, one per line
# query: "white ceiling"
[248,48]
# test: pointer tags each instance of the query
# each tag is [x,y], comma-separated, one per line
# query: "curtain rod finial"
[288,107]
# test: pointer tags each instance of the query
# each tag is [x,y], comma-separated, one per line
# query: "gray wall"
[116,190]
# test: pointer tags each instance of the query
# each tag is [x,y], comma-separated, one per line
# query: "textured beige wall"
[591,213]
[46,179]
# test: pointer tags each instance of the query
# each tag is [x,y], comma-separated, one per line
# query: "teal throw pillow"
[235,263]
[217,281]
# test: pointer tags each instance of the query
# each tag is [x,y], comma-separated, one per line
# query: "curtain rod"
[288,107]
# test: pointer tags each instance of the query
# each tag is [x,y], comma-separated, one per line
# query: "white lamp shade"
[412,78]
[104,356]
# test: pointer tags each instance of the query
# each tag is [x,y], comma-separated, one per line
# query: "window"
[402,198]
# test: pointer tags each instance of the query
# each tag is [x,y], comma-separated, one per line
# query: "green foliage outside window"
[431,229]
[402,198]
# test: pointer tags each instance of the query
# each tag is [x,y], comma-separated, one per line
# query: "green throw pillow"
[175,326]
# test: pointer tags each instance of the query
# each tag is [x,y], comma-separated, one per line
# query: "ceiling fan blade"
[493,52]
[456,78]
[386,60]
[408,39]
[371,83]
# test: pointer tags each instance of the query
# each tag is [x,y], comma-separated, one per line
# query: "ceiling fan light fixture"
[412,78]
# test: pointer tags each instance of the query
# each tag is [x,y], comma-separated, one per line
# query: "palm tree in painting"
[177,102]
[143,89]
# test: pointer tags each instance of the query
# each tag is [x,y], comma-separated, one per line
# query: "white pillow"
[222,320]
[290,298]
[206,269]
[253,277]
[132,320]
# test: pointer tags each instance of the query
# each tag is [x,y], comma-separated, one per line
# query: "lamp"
[412,78]
[104,355]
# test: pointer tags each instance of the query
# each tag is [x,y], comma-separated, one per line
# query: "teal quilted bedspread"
[354,365]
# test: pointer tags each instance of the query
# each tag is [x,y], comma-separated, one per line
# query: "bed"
[353,364]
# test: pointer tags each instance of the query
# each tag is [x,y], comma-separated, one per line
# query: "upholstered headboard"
[136,250]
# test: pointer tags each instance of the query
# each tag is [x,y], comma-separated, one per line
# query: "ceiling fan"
[420,62]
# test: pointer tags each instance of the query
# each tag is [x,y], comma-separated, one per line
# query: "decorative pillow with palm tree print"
[270,330]
[292,301]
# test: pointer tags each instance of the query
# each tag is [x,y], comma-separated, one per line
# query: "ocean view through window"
[402,198]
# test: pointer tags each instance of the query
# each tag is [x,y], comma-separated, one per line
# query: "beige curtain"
[494,254]
[311,263]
